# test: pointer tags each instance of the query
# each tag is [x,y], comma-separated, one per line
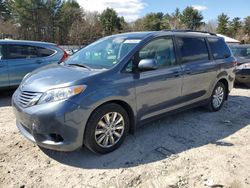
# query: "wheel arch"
[128,109]
[225,83]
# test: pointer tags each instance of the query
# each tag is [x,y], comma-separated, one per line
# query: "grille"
[28,98]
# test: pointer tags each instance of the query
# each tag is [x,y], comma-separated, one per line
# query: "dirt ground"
[195,148]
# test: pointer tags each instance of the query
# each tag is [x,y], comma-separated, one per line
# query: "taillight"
[234,63]
[65,54]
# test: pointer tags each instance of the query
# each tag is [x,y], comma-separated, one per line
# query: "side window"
[192,49]
[219,48]
[21,52]
[162,50]
[44,52]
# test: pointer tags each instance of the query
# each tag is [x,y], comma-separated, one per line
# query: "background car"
[17,58]
[242,53]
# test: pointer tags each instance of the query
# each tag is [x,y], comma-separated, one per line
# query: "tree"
[87,30]
[153,21]
[247,27]
[191,18]
[174,20]
[5,12]
[234,27]
[69,13]
[48,20]
[110,21]
[211,26]
[223,21]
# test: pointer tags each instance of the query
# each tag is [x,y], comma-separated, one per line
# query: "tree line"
[65,22]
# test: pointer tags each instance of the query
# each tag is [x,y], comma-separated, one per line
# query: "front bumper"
[243,76]
[57,125]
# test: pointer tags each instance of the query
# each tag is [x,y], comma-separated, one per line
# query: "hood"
[55,76]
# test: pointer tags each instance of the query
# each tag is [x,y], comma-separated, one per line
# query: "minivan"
[114,85]
[18,57]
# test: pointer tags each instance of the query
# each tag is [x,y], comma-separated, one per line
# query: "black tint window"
[162,50]
[219,48]
[44,52]
[192,49]
[21,52]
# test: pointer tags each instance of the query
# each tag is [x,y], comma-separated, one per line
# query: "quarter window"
[22,52]
[44,52]
[162,50]
[192,49]
[219,48]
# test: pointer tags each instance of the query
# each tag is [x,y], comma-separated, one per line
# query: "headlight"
[61,93]
[244,66]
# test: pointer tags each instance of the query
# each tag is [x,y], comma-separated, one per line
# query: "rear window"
[21,52]
[44,52]
[219,48]
[192,49]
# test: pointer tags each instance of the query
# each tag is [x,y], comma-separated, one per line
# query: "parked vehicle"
[17,58]
[242,53]
[112,86]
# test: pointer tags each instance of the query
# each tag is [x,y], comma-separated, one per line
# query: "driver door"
[158,91]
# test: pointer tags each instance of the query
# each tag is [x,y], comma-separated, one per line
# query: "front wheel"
[106,128]
[218,97]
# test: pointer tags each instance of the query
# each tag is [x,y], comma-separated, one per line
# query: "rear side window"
[44,52]
[192,49]
[219,48]
[21,52]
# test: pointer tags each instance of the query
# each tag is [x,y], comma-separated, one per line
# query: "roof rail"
[189,30]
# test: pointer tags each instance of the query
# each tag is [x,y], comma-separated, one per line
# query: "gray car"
[17,58]
[114,85]
[242,53]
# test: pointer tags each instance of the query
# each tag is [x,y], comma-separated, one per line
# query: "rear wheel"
[106,128]
[218,97]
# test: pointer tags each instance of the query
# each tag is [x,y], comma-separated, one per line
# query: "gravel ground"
[195,148]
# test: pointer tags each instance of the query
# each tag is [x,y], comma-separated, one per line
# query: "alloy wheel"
[218,97]
[109,129]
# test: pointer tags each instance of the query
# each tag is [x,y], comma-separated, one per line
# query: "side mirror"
[147,64]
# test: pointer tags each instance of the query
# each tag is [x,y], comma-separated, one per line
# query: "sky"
[134,9]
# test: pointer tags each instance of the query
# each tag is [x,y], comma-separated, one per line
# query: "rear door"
[198,68]
[158,91]
[4,79]
[224,59]
[22,59]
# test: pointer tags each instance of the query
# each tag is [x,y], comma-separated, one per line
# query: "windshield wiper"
[80,65]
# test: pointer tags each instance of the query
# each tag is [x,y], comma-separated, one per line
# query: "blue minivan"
[17,58]
[117,83]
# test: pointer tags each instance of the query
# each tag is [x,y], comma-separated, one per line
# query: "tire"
[104,125]
[219,95]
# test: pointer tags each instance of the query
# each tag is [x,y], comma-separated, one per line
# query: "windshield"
[241,52]
[104,53]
